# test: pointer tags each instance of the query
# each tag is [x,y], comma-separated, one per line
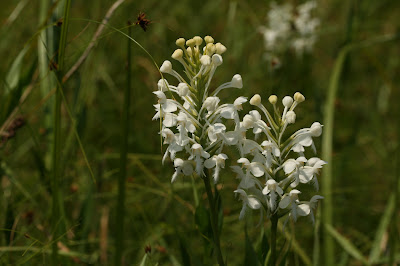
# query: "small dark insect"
[53,65]
[59,22]
[147,249]
[142,21]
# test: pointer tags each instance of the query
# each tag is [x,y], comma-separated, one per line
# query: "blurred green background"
[160,215]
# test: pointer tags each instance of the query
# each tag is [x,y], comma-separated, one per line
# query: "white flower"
[230,111]
[217,161]
[198,155]
[253,120]
[292,200]
[216,131]
[167,106]
[294,168]
[185,125]
[303,137]
[272,189]
[270,152]
[211,104]
[313,204]
[310,170]
[248,202]
[171,139]
[246,181]
[182,167]
[255,167]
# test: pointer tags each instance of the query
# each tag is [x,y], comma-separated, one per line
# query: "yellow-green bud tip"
[198,40]
[180,42]
[178,54]
[298,97]
[190,43]
[209,39]
[255,100]
[273,99]
[210,49]
[220,48]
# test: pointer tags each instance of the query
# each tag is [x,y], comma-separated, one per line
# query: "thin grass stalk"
[125,121]
[57,202]
[394,236]
[329,115]
[213,218]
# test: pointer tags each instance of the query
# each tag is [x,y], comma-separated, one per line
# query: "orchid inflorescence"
[196,126]
[279,159]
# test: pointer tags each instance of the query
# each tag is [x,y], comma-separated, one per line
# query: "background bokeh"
[160,215]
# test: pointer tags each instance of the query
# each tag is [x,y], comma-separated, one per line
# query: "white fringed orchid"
[276,157]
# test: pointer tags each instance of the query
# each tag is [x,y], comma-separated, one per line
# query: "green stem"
[214,219]
[57,203]
[274,226]
[125,121]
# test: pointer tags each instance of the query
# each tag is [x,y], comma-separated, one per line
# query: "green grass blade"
[13,76]
[382,228]
[346,244]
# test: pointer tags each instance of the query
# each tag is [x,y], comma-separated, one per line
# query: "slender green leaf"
[13,75]
[382,228]
[346,244]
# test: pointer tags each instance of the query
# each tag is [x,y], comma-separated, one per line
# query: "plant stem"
[119,245]
[57,220]
[274,226]
[214,219]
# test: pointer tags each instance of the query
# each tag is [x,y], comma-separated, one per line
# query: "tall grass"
[58,217]
[125,122]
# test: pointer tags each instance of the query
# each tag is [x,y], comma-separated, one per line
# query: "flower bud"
[198,40]
[316,129]
[180,42]
[208,39]
[255,100]
[205,60]
[298,97]
[273,99]
[183,89]
[210,48]
[237,81]
[290,117]
[166,67]
[217,59]
[190,43]
[287,101]
[178,54]
[162,85]
[248,121]
[189,51]
[220,48]
[211,103]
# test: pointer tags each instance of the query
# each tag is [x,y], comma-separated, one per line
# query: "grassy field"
[66,127]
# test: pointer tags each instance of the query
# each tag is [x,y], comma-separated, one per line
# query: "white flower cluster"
[191,112]
[196,126]
[289,26]
[271,158]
